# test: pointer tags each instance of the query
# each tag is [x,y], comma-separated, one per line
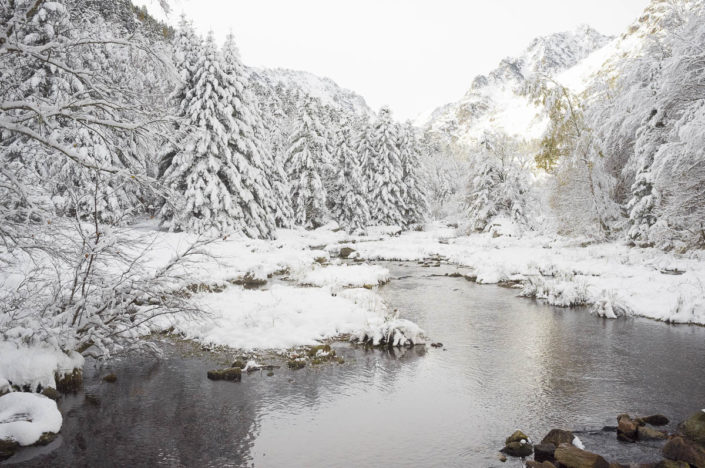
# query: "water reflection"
[507,363]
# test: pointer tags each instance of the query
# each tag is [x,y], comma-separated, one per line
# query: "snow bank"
[280,317]
[24,417]
[612,278]
[345,276]
[34,365]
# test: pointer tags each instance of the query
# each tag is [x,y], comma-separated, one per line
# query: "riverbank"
[506,363]
[309,286]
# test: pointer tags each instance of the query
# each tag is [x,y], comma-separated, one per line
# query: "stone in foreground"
[682,449]
[570,456]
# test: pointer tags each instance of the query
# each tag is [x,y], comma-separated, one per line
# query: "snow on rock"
[578,443]
[34,365]
[345,276]
[280,317]
[24,417]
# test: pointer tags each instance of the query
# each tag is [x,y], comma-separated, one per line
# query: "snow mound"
[35,365]
[24,417]
[277,318]
[346,276]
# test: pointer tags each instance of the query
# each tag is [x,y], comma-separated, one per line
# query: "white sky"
[413,55]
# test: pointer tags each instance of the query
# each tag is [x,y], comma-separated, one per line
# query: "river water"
[507,363]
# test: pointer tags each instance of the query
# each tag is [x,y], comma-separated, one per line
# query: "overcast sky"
[413,55]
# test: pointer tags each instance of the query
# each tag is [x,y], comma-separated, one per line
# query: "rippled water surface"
[508,363]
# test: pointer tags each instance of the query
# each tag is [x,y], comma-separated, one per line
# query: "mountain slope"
[325,89]
[495,101]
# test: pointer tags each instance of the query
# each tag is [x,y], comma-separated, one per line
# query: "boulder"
[544,452]
[681,449]
[518,449]
[648,433]
[654,420]
[232,373]
[694,428]
[626,428]
[345,252]
[517,436]
[558,437]
[570,456]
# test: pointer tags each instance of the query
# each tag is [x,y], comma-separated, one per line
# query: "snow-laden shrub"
[562,291]
[390,331]
[609,305]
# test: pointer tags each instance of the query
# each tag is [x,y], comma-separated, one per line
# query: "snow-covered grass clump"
[346,276]
[35,365]
[24,417]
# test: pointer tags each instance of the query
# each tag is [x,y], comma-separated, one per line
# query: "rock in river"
[518,445]
[232,373]
[626,428]
[570,456]
[558,437]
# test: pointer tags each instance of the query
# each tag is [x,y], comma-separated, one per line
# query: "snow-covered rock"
[24,417]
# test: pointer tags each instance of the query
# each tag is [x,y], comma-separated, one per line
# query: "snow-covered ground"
[307,294]
[613,278]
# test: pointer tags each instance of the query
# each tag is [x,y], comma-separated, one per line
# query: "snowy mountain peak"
[494,101]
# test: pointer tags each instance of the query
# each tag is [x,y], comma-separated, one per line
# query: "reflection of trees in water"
[158,413]
[165,412]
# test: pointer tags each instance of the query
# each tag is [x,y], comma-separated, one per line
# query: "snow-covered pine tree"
[248,156]
[306,158]
[350,208]
[497,185]
[201,170]
[414,192]
[276,128]
[186,47]
[382,171]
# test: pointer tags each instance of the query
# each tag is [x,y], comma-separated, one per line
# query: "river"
[507,363]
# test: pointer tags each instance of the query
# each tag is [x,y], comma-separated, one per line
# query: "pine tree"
[497,186]
[382,170]
[306,157]
[248,156]
[414,192]
[350,207]
[202,169]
